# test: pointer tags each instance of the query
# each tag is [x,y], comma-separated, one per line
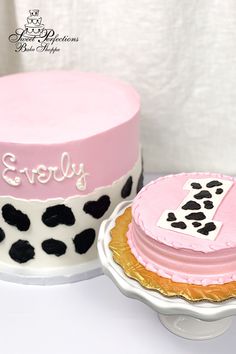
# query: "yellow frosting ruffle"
[152,281]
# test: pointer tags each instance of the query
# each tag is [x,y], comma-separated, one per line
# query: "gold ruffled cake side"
[133,269]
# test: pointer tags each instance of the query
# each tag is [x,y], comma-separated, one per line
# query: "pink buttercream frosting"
[61,129]
[176,255]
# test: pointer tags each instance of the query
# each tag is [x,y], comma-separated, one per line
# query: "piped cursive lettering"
[44,174]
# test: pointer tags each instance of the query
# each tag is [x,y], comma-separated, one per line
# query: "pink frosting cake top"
[194,211]
[65,133]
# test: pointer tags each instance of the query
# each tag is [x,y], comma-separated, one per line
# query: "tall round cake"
[69,152]
[184,228]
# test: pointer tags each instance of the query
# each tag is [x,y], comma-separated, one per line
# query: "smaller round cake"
[184,228]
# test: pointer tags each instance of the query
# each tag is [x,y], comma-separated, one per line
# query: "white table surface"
[91,316]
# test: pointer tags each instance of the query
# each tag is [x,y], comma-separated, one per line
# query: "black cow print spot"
[213,184]
[196,185]
[171,217]
[203,194]
[97,208]
[127,188]
[196,216]
[21,251]
[208,204]
[140,182]
[55,247]
[219,191]
[179,225]
[58,214]
[208,227]
[191,205]
[2,234]
[196,224]
[84,240]
[15,217]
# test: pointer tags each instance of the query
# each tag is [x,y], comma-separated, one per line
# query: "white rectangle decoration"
[194,216]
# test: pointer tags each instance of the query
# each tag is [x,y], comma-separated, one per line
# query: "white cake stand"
[201,320]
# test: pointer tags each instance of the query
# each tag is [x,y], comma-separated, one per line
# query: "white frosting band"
[38,231]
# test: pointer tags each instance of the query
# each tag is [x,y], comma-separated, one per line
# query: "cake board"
[198,321]
[69,275]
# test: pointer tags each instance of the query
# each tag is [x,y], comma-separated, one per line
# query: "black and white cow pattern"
[22,251]
[84,240]
[15,217]
[56,216]
[2,235]
[126,190]
[55,247]
[97,208]
[194,216]
[141,179]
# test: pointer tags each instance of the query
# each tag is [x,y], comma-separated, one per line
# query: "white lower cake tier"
[42,237]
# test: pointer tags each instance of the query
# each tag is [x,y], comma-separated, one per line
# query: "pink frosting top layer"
[52,120]
[167,193]
[177,255]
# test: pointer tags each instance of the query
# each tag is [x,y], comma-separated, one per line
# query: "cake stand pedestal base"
[193,328]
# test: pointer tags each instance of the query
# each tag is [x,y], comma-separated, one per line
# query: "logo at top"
[34,37]
[34,26]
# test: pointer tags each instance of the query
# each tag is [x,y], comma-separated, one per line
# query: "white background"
[180,55]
